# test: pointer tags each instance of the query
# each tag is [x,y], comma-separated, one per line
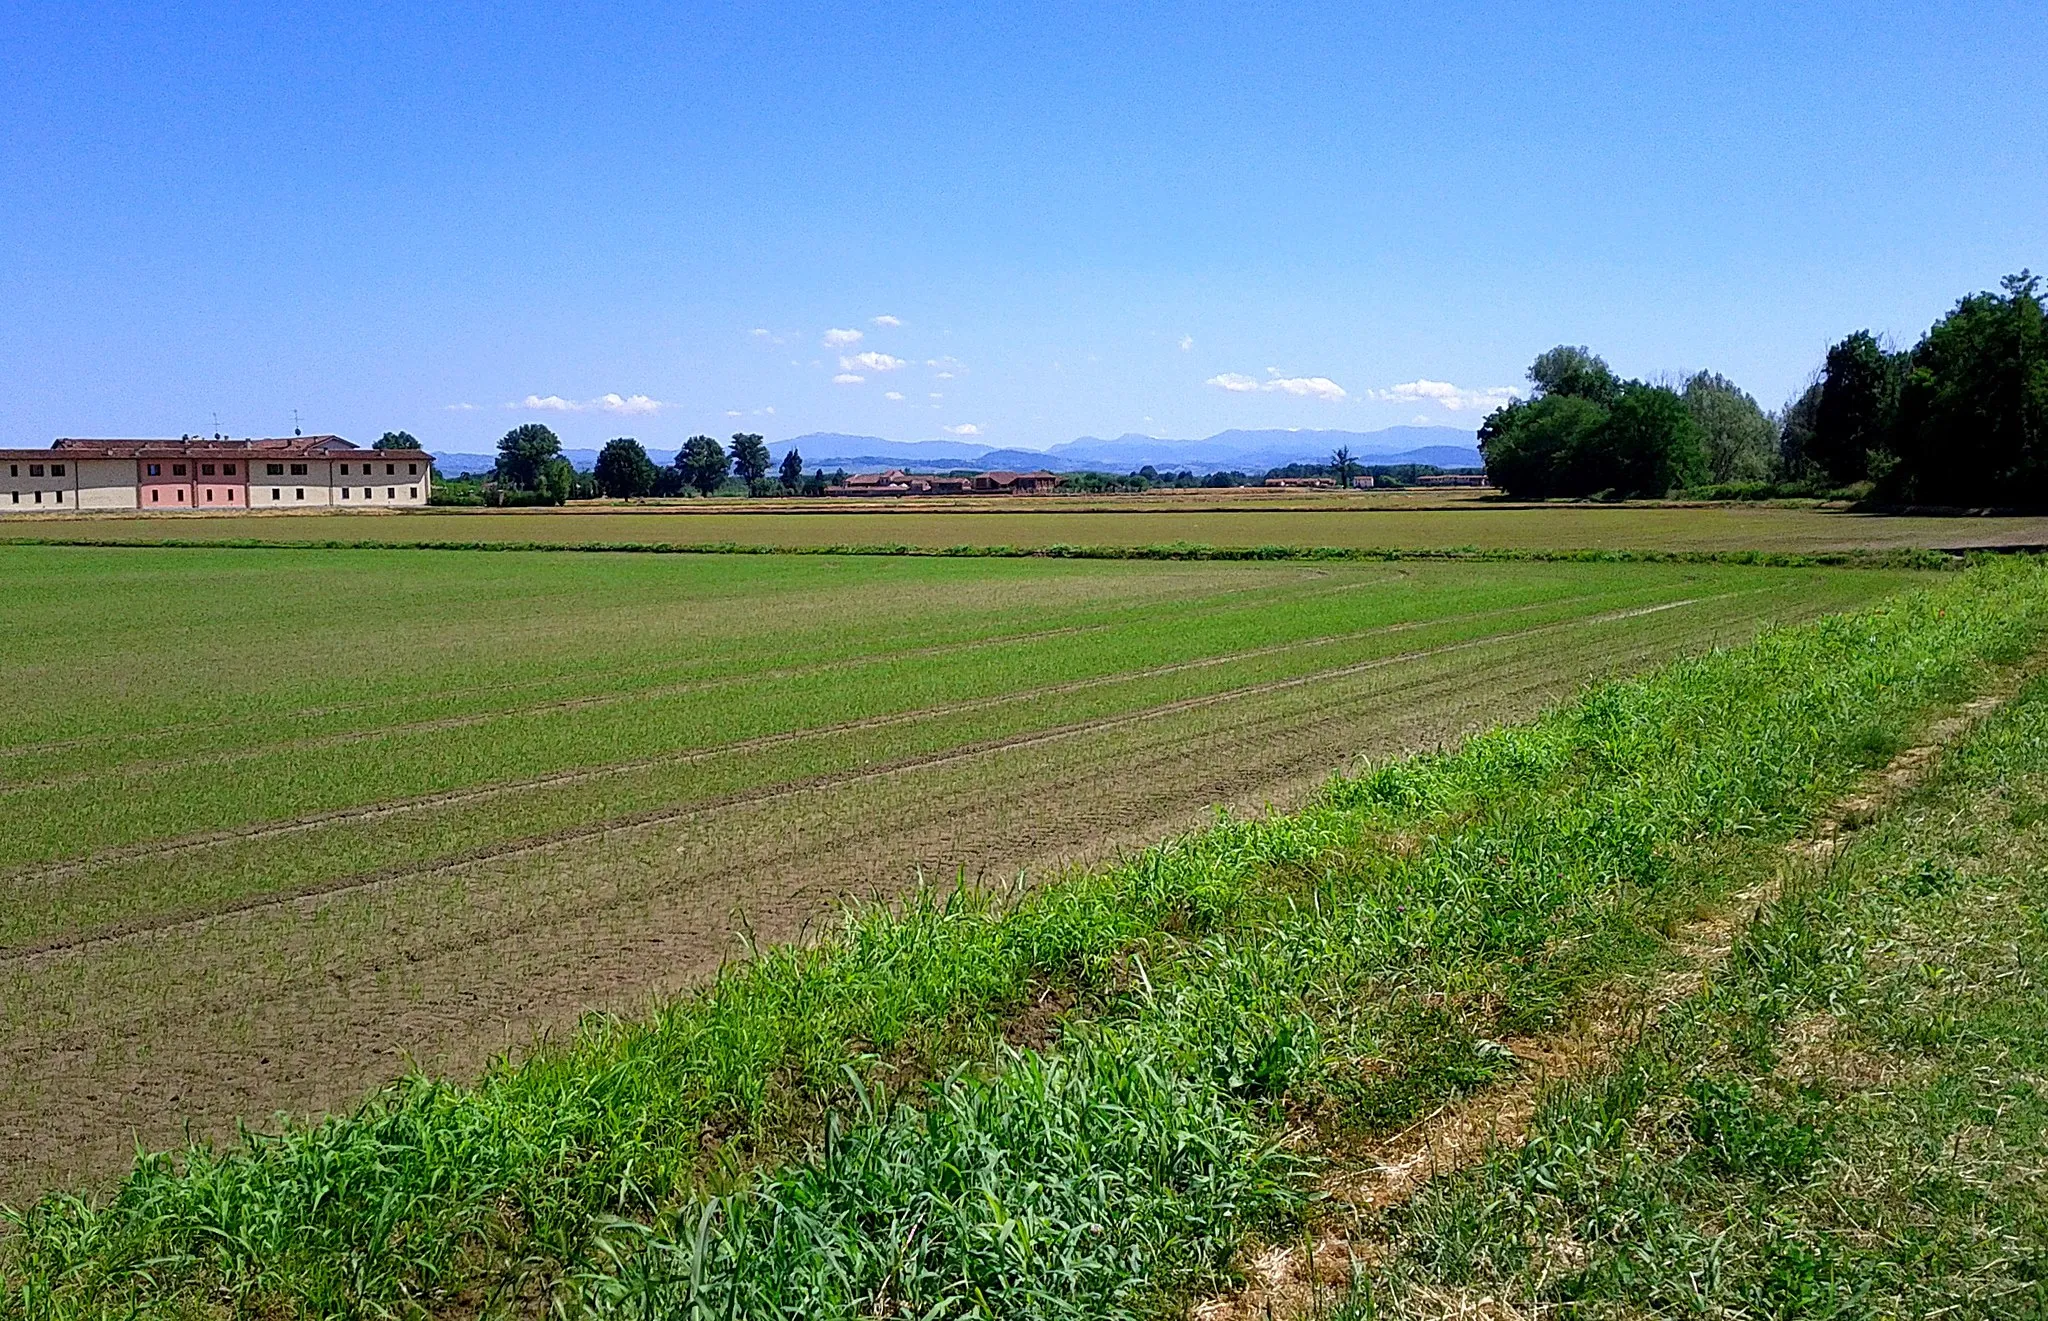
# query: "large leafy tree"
[522,452]
[1649,445]
[555,480]
[1577,371]
[703,464]
[792,472]
[1795,431]
[1537,448]
[1859,400]
[624,472]
[396,440]
[1589,433]
[749,457]
[1973,404]
[1343,465]
[1738,438]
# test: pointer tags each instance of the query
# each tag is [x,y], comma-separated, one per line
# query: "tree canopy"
[703,464]
[1859,398]
[1737,438]
[749,457]
[1971,425]
[396,440]
[624,472]
[1586,432]
[792,472]
[523,451]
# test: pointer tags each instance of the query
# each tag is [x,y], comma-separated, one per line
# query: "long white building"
[285,472]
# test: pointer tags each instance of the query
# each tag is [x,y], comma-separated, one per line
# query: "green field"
[281,820]
[1121,1091]
[1364,523]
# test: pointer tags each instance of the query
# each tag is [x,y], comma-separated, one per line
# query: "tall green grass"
[843,1130]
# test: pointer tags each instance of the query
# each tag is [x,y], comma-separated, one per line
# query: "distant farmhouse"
[207,472]
[897,482]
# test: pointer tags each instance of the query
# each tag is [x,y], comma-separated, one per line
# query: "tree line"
[1959,419]
[532,470]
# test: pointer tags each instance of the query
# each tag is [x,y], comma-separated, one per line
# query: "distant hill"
[1226,451]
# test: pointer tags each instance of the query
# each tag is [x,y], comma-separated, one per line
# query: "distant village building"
[897,482]
[1304,483]
[288,472]
[1454,479]
[1362,483]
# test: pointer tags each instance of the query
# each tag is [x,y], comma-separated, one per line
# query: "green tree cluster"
[1587,432]
[624,472]
[1959,419]
[530,464]
[396,440]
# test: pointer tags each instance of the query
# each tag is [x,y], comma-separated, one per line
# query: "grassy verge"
[1875,559]
[890,1122]
[1851,1121]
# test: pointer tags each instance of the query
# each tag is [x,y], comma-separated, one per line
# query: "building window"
[390,470]
[301,495]
[177,470]
[412,470]
[181,495]
[231,495]
[14,470]
[413,494]
[154,495]
[56,470]
[39,497]
[156,470]
[273,469]
[298,470]
[60,497]
[276,494]
[344,493]
[344,470]
[228,469]
[391,493]
[206,470]
[17,497]
[209,495]
[35,470]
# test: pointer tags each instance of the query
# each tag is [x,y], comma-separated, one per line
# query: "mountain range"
[1226,451]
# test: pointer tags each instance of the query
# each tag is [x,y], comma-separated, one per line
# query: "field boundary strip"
[738,798]
[1924,558]
[1290,1280]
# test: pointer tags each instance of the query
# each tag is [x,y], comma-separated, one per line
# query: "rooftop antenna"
[295,421]
[216,424]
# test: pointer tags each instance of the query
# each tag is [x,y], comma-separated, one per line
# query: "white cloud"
[878,362]
[839,339]
[943,376]
[886,320]
[847,378]
[964,429]
[734,412]
[1306,387]
[1309,387]
[1446,396]
[1419,420]
[1186,342]
[895,395]
[767,336]
[936,395]
[458,408]
[632,404]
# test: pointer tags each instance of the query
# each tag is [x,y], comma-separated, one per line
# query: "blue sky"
[1042,221]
